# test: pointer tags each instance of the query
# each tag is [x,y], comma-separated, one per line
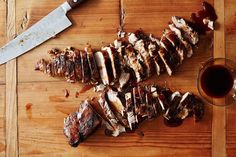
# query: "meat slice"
[41,65]
[188,33]
[115,62]
[167,45]
[70,73]
[190,105]
[153,48]
[139,99]
[144,56]
[108,64]
[57,67]
[132,38]
[158,105]
[80,124]
[101,64]
[130,109]
[78,65]
[124,79]
[184,44]
[176,43]
[133,62]
[168,60]
[116,103]
[86,73]
[151,108]
[172,112]
[95,78]
[153,51]
[62,65]
[114,128]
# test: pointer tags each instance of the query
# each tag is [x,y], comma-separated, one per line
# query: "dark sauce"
[28,106]
[216,81]
[84,89]
[173,122]
[207,12]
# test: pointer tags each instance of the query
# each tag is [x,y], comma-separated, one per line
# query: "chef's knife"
[46,28]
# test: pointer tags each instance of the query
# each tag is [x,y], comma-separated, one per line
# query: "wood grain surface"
[11,89]
[219,113]
[41,105]
[230,49]
[2,80]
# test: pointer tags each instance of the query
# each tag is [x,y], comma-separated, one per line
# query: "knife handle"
[74,3]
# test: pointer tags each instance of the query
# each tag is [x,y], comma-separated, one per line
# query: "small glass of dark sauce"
[216,81]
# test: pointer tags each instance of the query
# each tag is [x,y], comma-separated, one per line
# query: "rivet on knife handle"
[74,3]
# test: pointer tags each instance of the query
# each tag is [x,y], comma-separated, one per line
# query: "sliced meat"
[80,124]
[108,64]
[101,64]
[117,43]
[78,66]
[116,128]
[172,111]
[190,105]
[95,77]
[124,79]
[167,60]
[153,48]
[41,65]
[142,36]
[124,111]
[157,103]
[130,109]
[117,106]
[188,33]
[176,43]
[150,101]
[167,45]
[70,73]
[144,56]
[132,61]
[115,62]
[139,99]
[132,38]
[86,74]
[184,44]
[183,107]
[153,51]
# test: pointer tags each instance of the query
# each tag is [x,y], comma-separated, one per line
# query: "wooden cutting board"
[37,131]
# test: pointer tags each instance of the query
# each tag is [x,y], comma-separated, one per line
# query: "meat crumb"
[67,94]
[139,133]
[77,94]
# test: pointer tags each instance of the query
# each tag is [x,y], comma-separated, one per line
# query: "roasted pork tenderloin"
[124,111]
[133,57]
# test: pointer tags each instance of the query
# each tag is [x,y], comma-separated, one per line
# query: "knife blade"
[43,30]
